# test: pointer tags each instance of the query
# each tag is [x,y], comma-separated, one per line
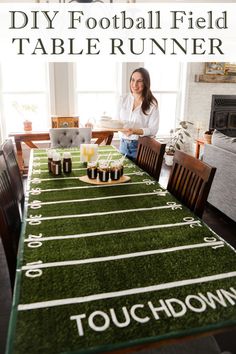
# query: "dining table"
[114,266]
[31,139]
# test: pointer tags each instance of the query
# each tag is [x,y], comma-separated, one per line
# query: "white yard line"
[93,186]
[127,292]
[37,161]
[121,256]
[78,169]
[97,198]
[102,213]
[73,151]
[62,178]
[109,232]
[46,170]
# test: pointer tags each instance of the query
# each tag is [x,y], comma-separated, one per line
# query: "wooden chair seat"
[190,181]
[10,220]
[150,156]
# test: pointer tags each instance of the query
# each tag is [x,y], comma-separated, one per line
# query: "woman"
[139,113]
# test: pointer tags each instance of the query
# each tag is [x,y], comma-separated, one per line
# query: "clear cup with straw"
[50,154]
[121,163]
[103,171]
[92,170]
[115,170]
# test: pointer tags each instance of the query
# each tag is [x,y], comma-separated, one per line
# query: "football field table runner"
[107,267]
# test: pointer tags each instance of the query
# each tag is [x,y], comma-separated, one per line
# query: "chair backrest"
[190,181]
[10,220]
[69,137]
[13,171]
[150,155]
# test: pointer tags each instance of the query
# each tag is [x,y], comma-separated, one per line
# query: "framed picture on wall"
[230,68]
[216,68]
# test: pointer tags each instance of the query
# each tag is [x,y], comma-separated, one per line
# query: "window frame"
[48,95]
[117,92]
[180,96]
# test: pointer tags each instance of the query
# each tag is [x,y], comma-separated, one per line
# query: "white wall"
[199,94]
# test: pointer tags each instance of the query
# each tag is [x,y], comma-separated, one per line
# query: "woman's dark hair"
[148,97]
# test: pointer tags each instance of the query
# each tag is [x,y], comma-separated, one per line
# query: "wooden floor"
[219,223]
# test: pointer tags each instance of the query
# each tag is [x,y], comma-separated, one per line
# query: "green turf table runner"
[107,267]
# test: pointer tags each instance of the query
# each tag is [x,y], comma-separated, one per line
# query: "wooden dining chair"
[69,137]
[190,181]
[10,221]
[150,155]
[13,171]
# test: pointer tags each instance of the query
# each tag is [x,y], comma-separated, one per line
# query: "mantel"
[231,79]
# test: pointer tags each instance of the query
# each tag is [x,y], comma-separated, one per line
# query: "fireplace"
[223,114]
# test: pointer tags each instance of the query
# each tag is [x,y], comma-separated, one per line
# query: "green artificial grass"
[63,328]
[116,275]
[87,237]
[80,248]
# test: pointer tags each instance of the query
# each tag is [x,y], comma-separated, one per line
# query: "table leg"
[197,151]
[104,137]
[109,139]
[31,145]
[20,156]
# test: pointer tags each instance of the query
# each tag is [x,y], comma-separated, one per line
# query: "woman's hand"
[127,131]
[130,131]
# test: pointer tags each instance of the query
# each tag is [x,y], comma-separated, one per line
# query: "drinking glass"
[92,171]
[103,171]
[115,170]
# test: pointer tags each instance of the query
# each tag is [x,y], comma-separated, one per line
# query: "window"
[89,91]
[24,96]
[167,85]
[98,88]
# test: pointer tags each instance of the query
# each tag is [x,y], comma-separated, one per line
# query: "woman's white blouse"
[136,119]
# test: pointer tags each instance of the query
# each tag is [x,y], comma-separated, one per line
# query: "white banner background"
[196,32]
